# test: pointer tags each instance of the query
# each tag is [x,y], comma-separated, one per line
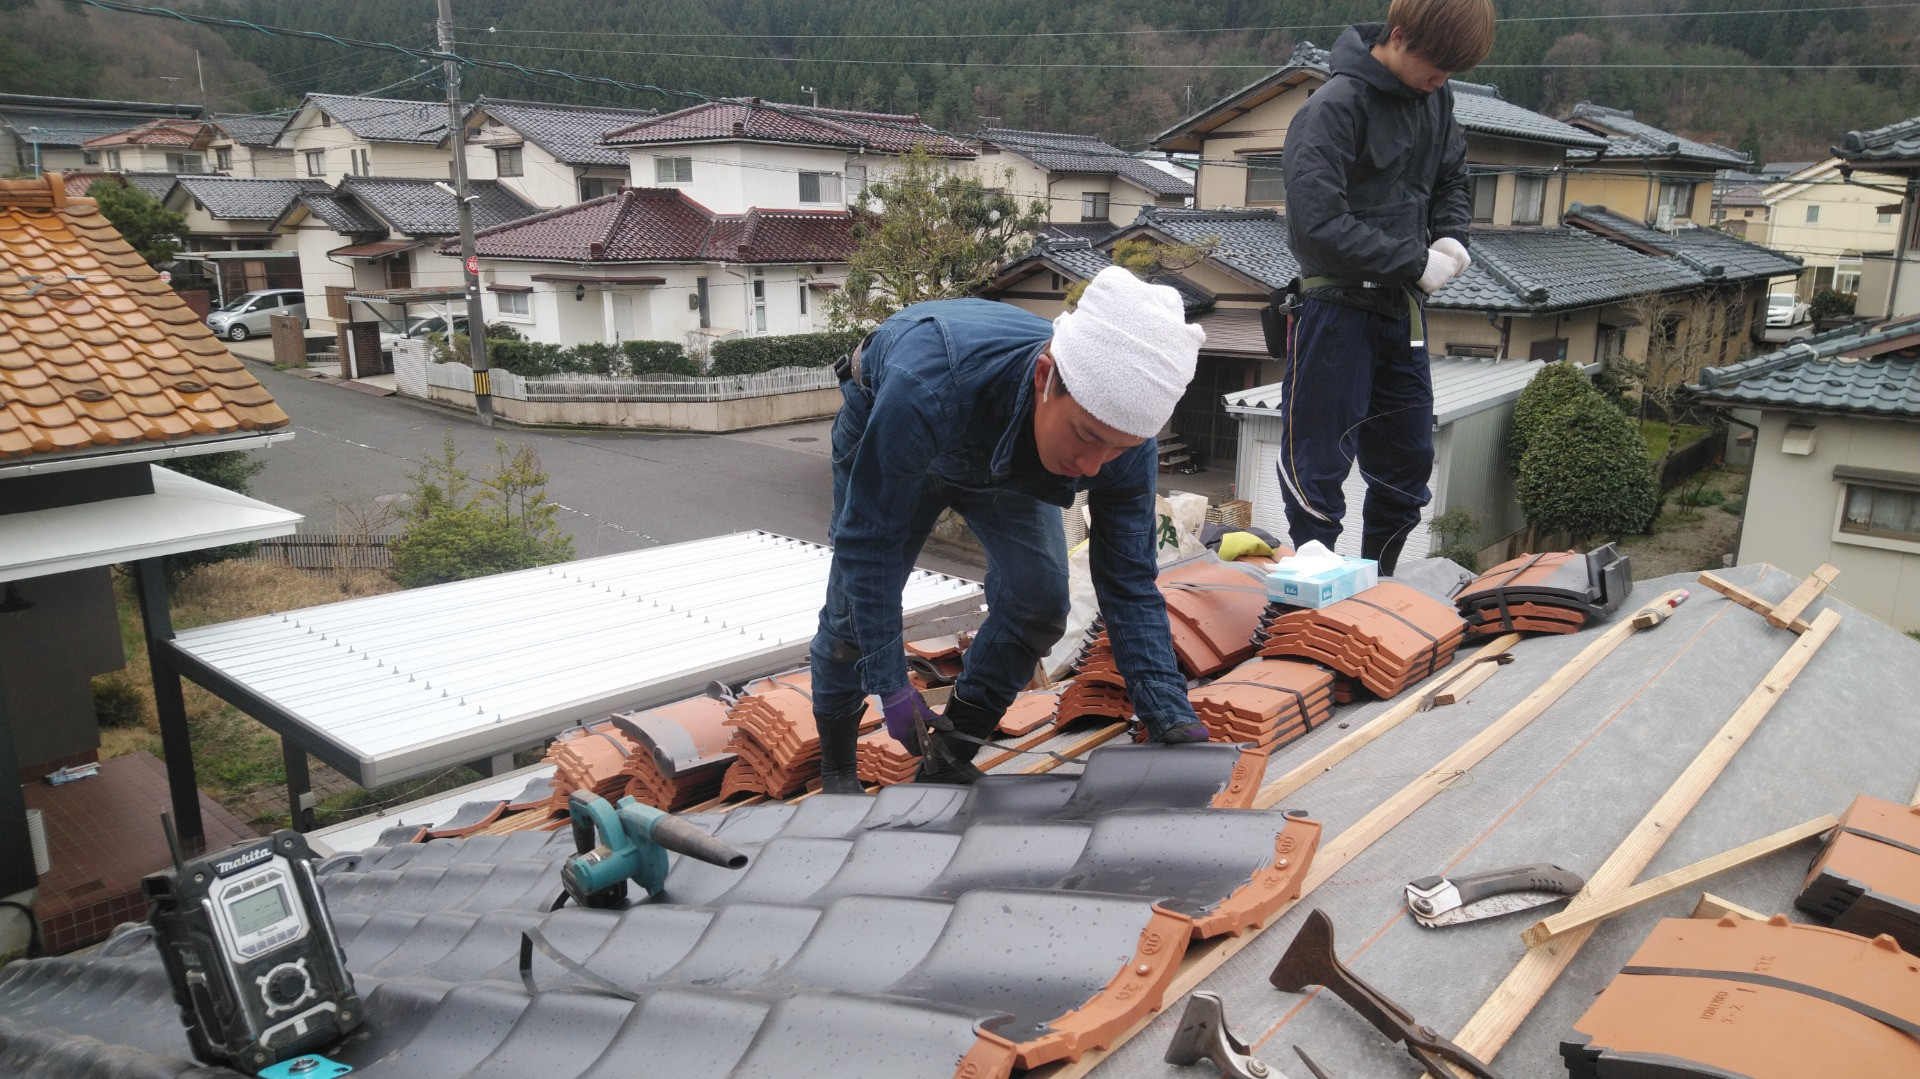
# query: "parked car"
[247,315]
[423,327]
[1786,310]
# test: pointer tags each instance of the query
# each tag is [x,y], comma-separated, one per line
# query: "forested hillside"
[1784,83]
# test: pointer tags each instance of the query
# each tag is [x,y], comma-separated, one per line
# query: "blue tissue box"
[1352,576]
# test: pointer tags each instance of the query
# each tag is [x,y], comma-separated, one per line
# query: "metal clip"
[1203,1033]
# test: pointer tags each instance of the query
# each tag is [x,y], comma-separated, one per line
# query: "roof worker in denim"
[1377,211]
[1002,416]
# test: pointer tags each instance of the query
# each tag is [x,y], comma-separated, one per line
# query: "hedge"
[628,359]
[748,355]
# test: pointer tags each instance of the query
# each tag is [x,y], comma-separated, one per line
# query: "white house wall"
[612,312]
[734,177]
[404,159]
[1062,192]
[545,181]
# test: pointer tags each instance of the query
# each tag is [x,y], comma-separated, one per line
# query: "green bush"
[453,532]
[538,359]
[455,544]
[1552,390]
[658,358]
[1459,535]
[529,359]
[1586,472]
[1830,304]
[748,355]
[116,703]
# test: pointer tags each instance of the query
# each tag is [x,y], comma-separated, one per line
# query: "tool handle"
[589,814]
[1539,877]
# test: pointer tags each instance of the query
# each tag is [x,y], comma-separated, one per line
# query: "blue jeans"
[1026,596]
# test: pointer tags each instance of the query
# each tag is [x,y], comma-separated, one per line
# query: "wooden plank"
[1317,765]
[1748,600]
[1490,1027]
[1788,611]
[1456,691]
[1714,908]
[1085,745]
[1667,883]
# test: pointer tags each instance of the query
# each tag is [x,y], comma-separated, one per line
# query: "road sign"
[473,265]
[166,276]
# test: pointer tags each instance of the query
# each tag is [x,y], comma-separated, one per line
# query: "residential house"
[154,185]
[333,136]
[550,155]
[1830,217]
[46,134]
[247,146]
[650,263]
[739,154]
[369,248]
[1890,277]
[170,146]
[230,239]
[1090,187]
[105,376]
[1740,205]
[1654,176]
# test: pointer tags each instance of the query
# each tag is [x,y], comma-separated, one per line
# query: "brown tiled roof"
[771,121]
[94,349]
[191,133]
[645,224]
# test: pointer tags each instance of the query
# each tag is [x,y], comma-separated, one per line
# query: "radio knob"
[287,985]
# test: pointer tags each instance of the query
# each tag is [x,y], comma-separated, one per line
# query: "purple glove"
[907,713]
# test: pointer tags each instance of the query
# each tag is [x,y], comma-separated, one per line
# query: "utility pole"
[815,91]
[469,263]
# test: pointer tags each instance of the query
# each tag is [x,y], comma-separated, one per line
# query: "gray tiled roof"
[1702,249]
[1895,142]
[1057,152]
[417,208]
[340,212]
[53,128]
[154,185]
[1094,231]
[1082,261]
[1252,242]
[238,198]
[380,119]
[1631,138]
[1873,370]
[253,130]
[571,133]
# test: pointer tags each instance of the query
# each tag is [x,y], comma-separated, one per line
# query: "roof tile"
[1628,138]
[571,133]
[1059,152]
[236,198]
[662,224]
[1866,370]
[770,121]
[418,208]
[379,119]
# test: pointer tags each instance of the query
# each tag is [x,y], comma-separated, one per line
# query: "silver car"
[248,315]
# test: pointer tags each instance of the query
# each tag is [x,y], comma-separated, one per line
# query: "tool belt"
[847,367]
[1416,315]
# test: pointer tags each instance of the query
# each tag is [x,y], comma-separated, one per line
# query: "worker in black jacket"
[1377,212]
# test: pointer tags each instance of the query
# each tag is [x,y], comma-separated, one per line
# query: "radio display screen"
[257,911]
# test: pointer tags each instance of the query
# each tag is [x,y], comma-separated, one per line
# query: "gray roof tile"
[417,208]
[1871,370]
[243,199]
[1631,138]
[259,130]
[56,128]
[380,119]
[340,212]
[154,184]
[1058,152]
[1895,142]
[571,133]
[1702,249]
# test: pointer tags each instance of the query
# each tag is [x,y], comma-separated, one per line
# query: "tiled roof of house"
[1058,152]
[418,208]
[1716,255]
[380,119]
[190,133]
[571,133]
[245,199]
[1629,138]
[1080,260]
[341,213]
[1865,370]
[772,121]
[645,224]
[95,350]
[153,184]
[1895,142]
[1093,231]
[252,130]
[47,127]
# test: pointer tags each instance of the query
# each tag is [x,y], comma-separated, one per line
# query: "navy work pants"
[1356,388]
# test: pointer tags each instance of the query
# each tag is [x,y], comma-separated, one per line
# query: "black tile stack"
[1867,878]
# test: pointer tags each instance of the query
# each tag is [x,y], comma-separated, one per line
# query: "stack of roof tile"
[936,661]
[591,757]
[1386,638]
[1214,607]
[682,752]
[1762,1000]
[1867,878]
[1097,690]
[1268,702]
[1030,711]
[883,761]
[774,736]
[1552,592]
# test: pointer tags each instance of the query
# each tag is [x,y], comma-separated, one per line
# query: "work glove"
[1446,260]
[907,713]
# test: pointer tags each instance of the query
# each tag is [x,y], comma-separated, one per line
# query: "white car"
[422,328]
[1785,310]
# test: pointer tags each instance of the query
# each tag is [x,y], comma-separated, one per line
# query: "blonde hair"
[1452,35]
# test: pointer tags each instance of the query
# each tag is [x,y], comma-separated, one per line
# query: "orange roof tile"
[94,349]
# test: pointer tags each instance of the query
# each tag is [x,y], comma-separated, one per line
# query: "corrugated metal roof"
[476,667]
[1462,386]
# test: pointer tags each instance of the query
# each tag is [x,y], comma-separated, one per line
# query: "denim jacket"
[946,391]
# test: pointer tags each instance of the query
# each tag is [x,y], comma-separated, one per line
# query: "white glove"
[1446,260]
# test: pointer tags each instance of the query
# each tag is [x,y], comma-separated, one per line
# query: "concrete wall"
[1794,504]
[48,655]
[661,415]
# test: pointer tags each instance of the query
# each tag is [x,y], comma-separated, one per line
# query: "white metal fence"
[592,388]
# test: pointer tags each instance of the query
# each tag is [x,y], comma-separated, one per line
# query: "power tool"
[630,842]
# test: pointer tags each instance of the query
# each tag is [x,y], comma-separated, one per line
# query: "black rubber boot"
[949,759]
[1388,556]
[838,774]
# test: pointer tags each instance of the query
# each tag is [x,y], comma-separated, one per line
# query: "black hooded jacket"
[1375,171]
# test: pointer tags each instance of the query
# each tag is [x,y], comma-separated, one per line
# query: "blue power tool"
[630,842]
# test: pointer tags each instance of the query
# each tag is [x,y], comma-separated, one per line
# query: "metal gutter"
[167,452]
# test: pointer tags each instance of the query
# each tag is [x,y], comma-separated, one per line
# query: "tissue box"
[1352,576]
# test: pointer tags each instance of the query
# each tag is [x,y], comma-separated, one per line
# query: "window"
[1846,277]
[1813,213]
[506,161]
[1529,199]
[673,170]
[1484,188]
[89,157]
[856,180]
[820,188]
[1882,512]
[593,187]
[360,162]
[803,297]
[1883,217]
[1676,198]
[223,157]
[113,160]
[316,162]
[1264,180]
[399,272]
[1746,213]
[325,120]
[759,305]
[184,162]
[1093,205]
[516,304]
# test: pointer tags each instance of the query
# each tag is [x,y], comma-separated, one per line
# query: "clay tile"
[14,443]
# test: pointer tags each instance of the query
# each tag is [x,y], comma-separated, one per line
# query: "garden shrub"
[658,358]
[1556,386]
[1586,472]
[748,355]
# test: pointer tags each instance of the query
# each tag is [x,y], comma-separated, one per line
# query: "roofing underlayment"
[882,935]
